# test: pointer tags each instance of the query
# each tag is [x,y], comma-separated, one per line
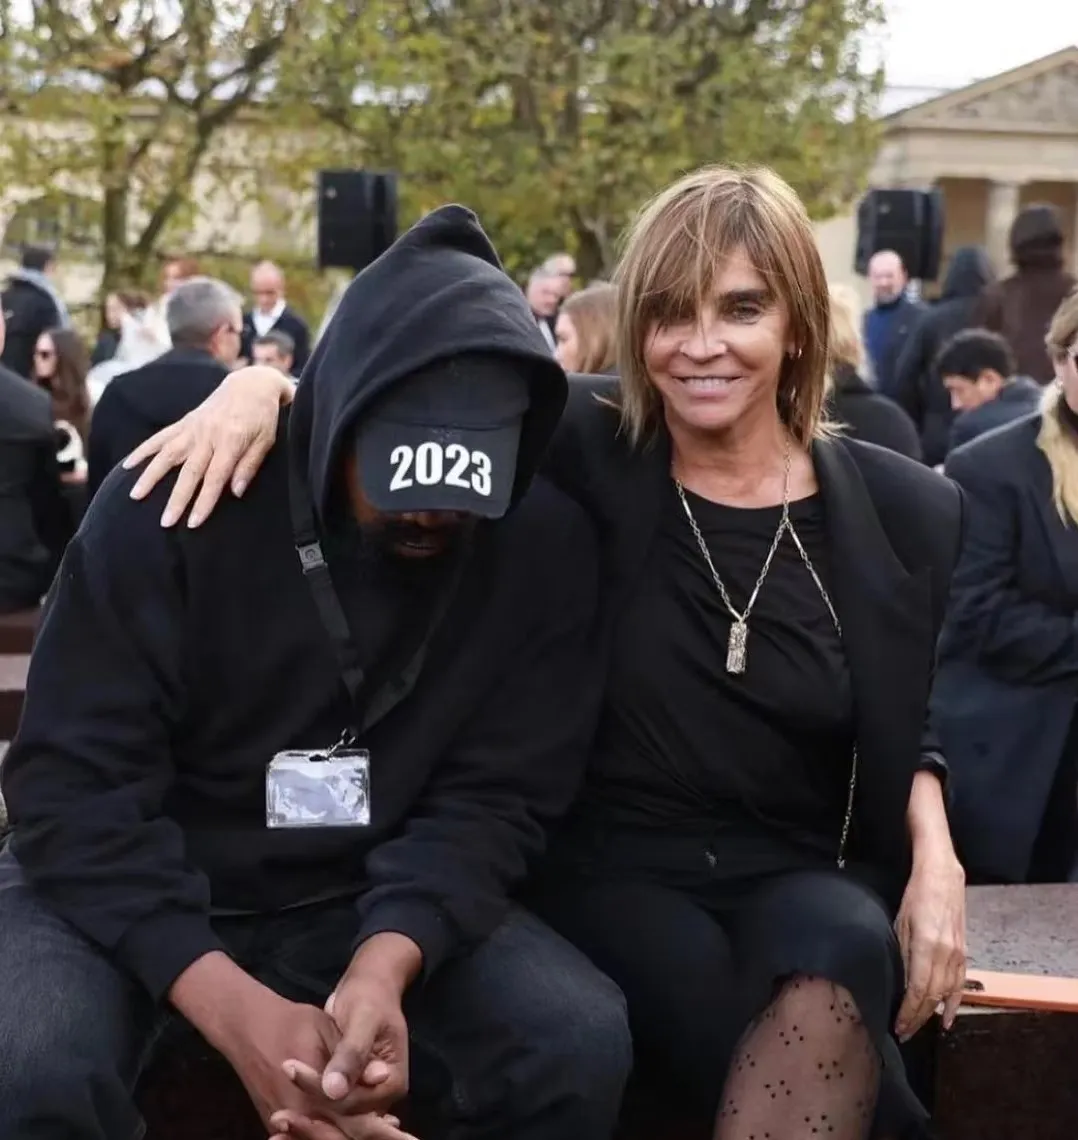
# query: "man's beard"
[399,542]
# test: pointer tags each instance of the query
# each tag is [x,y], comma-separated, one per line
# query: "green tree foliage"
[556,120]
[124,102]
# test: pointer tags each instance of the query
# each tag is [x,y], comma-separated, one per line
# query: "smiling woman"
[760,857]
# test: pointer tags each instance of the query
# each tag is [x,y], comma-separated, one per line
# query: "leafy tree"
[555,121]
[127,101]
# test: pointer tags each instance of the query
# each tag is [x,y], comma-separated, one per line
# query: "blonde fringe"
[1060,450]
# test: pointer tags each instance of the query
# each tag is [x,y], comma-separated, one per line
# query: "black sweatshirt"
[172,665]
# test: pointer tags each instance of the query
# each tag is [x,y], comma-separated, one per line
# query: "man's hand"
[257,1031]
[368,1071]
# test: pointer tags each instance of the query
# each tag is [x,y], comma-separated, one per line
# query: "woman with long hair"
[1007,687]
[60,367]
[585,332]
[760,857]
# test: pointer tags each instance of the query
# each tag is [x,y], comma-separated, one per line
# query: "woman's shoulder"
[1004,454]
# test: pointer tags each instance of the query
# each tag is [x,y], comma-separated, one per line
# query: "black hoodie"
[919,389]
[172,665]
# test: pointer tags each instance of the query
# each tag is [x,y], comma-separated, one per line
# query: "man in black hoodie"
[398,593]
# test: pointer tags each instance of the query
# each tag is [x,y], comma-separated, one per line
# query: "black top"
[892,534]
[867,415]
[756,756]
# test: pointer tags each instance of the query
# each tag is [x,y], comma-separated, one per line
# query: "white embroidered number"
[457,454]
[481,474]
[430,462]
[401,458]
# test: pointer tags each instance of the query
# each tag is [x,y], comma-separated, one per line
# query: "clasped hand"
[330,1074]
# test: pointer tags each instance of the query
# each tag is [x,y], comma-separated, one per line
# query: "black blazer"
[1007,683]
[894,529]
[136,404]
[288,322]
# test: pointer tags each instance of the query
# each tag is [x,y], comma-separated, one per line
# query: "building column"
[1074,233]
[1002,210]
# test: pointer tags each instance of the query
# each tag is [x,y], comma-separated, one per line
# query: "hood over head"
[1036,237]
[969,272]
[438,293]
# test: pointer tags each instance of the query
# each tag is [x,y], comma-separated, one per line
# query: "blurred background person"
[977,370]
[918,386]
[205,323]
[861,411]
[60,367]
[31,304]
[1021,306]
[1006,688]
[271,313]
[563,267]
[35,521]
[544,294]
[586,331]
[889,322]
[117,306]
[275,349]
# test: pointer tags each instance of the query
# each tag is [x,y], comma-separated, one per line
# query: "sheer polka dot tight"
[806,1069]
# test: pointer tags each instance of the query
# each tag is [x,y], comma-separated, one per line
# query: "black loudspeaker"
[908,221]
[357,217]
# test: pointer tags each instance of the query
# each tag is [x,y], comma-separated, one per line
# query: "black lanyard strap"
[369,709]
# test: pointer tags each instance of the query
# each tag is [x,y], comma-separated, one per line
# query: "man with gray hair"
[205,322]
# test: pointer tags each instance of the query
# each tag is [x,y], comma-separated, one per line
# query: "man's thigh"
[523,1018]
[74,1029]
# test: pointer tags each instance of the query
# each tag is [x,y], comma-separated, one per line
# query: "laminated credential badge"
[327,788]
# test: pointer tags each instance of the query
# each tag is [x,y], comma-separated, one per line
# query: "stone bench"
[1006,1072]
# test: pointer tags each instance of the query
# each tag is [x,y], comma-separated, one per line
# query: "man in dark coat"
[889,323]
[271,313]
[205,324]
[918,386]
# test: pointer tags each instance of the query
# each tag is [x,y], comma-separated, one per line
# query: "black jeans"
[527,1038]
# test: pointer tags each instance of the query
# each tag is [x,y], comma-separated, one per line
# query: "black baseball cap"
[445,438]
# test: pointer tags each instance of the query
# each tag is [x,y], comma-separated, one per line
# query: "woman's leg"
[674,966]
[819,951]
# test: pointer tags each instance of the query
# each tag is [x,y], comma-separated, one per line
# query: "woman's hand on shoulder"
[220,443]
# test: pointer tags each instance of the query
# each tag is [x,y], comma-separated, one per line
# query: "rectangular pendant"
[736,647]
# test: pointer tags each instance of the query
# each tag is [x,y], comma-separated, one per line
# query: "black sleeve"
[991,622]
[87,774]
[54,521]
[482,821]
[115,431]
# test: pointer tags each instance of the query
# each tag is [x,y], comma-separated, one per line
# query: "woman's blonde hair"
[594,314]
[1057,438]
[674,252]
[847,344]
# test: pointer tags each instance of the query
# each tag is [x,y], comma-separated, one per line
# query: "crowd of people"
[549,684]
[84,410]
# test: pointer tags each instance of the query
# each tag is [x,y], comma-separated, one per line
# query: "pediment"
[1040,96]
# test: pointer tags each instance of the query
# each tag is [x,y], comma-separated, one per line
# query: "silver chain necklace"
[737,644]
